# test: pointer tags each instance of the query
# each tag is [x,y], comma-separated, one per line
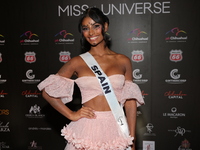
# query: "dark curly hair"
[98,16]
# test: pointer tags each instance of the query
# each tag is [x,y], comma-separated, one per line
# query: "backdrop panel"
[160,37]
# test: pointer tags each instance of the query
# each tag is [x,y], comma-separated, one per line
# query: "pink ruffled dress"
[101,133]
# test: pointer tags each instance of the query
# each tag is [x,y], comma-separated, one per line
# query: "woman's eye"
[84,29]
[96,26]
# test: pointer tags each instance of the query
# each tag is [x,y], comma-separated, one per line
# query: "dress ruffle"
[96,134]
[132,91]
[58,87]
[61,87]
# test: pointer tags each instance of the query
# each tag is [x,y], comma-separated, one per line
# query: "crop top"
[61,87]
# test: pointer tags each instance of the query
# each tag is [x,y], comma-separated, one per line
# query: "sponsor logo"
[176,35]
[31,94]
[1,59]
[29,38]
[149,128]
[34,146]
[175,78]
[179,131]
[30,57]
[137,36]
[185,145]
[35,112]
[64,56]
[148,145]
[176,55]
[2,94]
[139,8]
[3,145]
[144,94]
[139,113]
[2,80]
[137,56]
[2,40]
[39,128]
[4,112]
[63,37]
[175,95]
[137,77]
[174,114]
[30,78]
[4,127]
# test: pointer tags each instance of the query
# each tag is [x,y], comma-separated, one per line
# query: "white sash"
[108,91]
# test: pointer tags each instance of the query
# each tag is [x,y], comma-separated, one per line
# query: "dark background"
[173,117]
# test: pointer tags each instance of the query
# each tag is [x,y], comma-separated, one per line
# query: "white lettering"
[120,8]
[147,6]
[102,8]
[165,6]
[157,6]
[137,8]
[129,11]
[60,9]
[77,12]
[114,8]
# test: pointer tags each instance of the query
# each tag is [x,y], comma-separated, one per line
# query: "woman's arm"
[131,112]
[67,71]
[84,112]
[130,104]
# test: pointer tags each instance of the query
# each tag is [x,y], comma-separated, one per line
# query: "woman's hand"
[84,112]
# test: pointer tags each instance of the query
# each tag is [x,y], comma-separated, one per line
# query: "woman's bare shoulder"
[69,68]
[122,58]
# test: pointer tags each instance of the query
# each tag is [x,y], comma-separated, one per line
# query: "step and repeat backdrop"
[160,37]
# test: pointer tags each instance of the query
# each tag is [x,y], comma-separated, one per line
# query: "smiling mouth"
[93,38]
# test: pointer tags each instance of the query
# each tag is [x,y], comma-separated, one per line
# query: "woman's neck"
[100,50]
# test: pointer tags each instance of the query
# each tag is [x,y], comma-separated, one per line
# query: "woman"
[93,127]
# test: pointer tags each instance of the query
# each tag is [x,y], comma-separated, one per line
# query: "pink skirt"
[101,133]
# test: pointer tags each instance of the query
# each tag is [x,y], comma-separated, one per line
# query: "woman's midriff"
[99,103]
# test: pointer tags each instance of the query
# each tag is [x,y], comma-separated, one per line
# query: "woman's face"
[92,31]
